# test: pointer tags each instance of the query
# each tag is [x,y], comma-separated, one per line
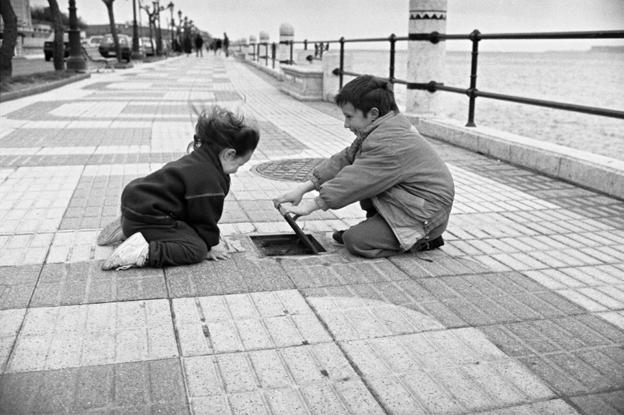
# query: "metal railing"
[472,92]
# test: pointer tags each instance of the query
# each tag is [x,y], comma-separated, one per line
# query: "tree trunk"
[59,44]
[113,28]
[9,39]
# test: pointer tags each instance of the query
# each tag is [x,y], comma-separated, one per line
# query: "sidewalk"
[521,312]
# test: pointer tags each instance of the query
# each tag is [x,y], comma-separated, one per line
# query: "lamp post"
[159,47]
[179,31]
[170,7]
[75,61]
[136,52]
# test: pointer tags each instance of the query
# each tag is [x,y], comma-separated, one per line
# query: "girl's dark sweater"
[191,189]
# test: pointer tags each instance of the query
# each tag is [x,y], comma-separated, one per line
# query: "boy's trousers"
[175,243]
[374,238]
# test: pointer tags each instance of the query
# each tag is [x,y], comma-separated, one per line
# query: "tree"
[59,45]
[113,28]
[9,39]
[45,14]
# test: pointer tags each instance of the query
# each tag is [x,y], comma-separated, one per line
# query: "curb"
[595,172]
[8,96]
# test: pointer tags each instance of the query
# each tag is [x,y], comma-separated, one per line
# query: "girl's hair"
[219,128]
[366,92]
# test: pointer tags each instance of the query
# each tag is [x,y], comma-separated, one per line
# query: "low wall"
[302,82]
[589,170]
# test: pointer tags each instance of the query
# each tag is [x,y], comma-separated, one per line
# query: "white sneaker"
[112,233]
[131,253]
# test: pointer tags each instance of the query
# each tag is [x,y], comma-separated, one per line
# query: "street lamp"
[75,61]
[170,7]
[136,52]
[156,5]
[180,28]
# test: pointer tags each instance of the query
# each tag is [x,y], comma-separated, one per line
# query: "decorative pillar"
[263,44]
[286,35]
[251,47]
[425,59]
[75,61]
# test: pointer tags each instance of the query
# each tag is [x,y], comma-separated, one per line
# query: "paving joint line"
[355,368]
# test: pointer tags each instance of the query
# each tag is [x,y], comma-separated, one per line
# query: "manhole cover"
[297,170]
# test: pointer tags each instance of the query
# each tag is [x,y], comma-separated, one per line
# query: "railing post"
[273,47]
[392,54]
[292,45]
[474,37]
[305,44]
[342,42]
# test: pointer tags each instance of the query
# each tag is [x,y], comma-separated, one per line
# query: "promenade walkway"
[521,312]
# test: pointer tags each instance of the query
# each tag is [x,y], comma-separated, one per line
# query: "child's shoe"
[337,236]
[428,245]
[111,234]
[131,253]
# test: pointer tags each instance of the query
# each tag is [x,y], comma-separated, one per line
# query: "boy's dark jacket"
[191,189]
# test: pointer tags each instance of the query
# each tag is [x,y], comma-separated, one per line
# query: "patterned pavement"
[521,312]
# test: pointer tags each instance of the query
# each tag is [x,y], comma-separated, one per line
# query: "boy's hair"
[220,128]
[366,92]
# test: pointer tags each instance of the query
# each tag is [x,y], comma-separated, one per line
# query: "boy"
[405,188]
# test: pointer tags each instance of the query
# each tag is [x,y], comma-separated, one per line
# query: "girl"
[171,215]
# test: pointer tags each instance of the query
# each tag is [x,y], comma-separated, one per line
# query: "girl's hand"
[217,252]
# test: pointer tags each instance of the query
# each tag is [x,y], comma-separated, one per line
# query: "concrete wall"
[589,170]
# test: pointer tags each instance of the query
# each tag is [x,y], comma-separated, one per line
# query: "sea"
[589,78]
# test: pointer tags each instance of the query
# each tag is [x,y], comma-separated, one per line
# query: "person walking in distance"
[199,44]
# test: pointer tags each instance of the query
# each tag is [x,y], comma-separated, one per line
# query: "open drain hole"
[284,245]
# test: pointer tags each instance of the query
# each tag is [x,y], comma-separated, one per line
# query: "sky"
[331,19]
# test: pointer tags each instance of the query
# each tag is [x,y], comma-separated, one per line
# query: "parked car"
[91,45]
[48,46]
[148,46]
[93,41]
[107,46]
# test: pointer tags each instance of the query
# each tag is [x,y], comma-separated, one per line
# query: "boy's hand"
[304,208]
[217,252]
[294,197]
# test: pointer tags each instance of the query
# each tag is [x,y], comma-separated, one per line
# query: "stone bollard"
[425,59]
[331,82]
[286,35]
[251,48]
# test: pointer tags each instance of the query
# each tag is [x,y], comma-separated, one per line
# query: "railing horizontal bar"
[349,73]
[511,98]
[608,34]
[605,34]
[553,104]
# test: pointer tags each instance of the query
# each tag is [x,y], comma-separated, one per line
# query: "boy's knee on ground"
[354,242]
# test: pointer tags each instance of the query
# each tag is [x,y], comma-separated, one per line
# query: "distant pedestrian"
[199,45]
[171,215]
[217,46]
[405,188]
[226,44]
[187,43]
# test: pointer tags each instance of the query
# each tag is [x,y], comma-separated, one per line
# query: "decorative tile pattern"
[93,334]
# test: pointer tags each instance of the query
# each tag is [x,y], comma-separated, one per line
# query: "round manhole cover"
[297,170]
